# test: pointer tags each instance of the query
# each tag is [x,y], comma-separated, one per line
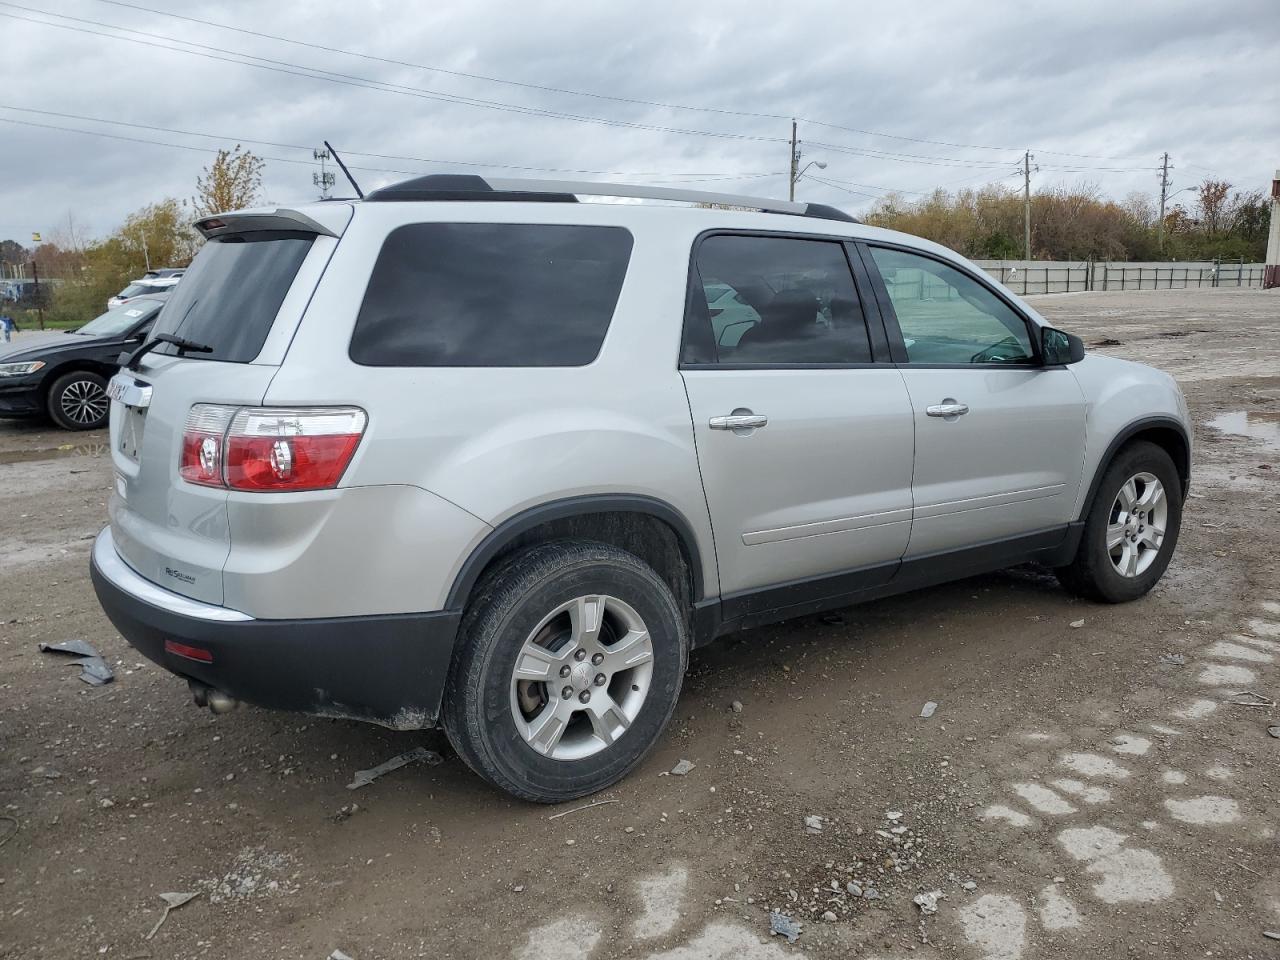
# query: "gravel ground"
[1085,787]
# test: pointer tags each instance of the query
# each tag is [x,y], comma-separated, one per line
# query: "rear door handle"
[947,408]
[739,421]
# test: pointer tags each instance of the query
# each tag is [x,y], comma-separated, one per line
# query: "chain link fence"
[1039,276]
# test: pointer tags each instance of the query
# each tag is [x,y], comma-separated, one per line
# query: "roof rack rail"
[436,187]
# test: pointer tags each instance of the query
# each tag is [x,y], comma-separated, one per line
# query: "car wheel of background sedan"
[1131,529]
[570,660]
[78,401]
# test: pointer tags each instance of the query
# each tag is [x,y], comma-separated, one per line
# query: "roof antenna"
[334,153]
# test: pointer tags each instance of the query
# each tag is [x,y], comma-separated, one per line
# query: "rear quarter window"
[491,295]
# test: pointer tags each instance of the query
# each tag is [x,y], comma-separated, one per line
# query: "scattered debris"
[5,818]
[814,823]
[1274,730]
[830,917]
[1077,624]
[587,806]
[780,925]
[93,669]
[893,815]
[1251,699]
[853,889]
[339,955]
[871,893]
[1271,935]
[365,777]
[927,710]
[682,768]
[736,706]
[928,902]
[970,885]
[832,619]
[172,901]
[346,813]
[1177,659]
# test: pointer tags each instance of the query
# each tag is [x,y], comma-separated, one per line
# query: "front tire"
[1131,529]
[571,657]
[78,401]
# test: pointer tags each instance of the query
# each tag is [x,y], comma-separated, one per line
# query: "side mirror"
[1059,347]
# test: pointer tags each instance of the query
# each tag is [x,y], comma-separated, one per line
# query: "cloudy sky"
[899,95]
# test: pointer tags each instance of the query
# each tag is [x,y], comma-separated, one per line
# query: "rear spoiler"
[254,222]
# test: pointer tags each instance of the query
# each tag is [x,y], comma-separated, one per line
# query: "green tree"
[232,182]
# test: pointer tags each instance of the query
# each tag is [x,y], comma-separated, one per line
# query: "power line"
[635,101]
[386,156]
[351,80]
[294,160]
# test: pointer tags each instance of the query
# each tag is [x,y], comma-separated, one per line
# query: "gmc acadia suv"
[473,453]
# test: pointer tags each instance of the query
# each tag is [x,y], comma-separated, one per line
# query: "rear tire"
[1131,530]
[78,401]
[570,660]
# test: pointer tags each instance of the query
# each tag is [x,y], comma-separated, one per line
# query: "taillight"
[269,449]
[202,444]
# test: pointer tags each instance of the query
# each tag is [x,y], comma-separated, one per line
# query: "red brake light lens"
[270,449]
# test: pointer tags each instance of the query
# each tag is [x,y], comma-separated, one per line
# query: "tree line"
[1067,223]
[1078,223]
[85,272]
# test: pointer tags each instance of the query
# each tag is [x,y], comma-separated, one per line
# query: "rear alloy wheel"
[1131,529]
[569,664]
[78,401]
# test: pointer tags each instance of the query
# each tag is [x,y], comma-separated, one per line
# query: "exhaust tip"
[205,696]
[220,703]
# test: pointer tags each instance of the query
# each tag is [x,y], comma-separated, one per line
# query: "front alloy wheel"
[1137,524]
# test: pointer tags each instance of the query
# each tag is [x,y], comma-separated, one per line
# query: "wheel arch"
[1165,432]
[646,526]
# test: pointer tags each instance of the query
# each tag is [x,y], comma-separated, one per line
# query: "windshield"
[122,319]
[229,296]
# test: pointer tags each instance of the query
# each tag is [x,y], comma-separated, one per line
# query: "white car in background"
[148,285]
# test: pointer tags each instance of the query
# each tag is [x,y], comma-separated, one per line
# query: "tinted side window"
[231,293]
[776,300]
[948,317]
[491,295]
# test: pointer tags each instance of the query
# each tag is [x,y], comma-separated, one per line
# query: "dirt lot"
[1085,788]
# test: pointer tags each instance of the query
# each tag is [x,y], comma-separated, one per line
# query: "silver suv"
[472,453]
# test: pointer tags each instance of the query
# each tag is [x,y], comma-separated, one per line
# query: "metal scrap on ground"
[172,901]
[93,669]
[927,710]
[363,778]
[781,925]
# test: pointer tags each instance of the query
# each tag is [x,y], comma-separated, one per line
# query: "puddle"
[1258,425]
[53,453]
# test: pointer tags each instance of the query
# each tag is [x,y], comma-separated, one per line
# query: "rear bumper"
[388,670]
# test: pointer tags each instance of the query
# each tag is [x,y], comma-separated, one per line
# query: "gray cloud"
[1110,80]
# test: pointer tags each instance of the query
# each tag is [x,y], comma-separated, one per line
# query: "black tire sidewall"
[55,400]
[1106,580]
[497,634]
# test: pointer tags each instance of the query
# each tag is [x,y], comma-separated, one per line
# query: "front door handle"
[948,408]
[739,421]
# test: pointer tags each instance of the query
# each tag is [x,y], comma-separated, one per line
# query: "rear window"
[490,295]
[229,296]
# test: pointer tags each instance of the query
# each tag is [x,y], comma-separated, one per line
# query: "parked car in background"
[149,284]
[64,374]
[474,454]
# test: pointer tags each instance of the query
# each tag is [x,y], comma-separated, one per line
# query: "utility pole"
[1164,194]
[325,178]
[1271,273]
[1026,204]
[795,161]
